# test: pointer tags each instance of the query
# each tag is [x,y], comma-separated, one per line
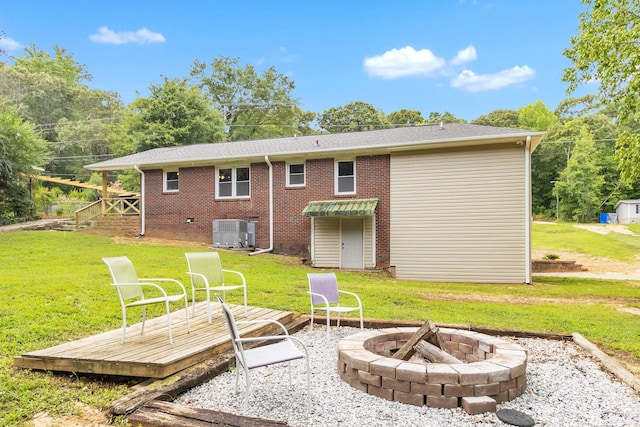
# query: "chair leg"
[246,391]
[328,322]
[169,322]
[208,305]
[144,319]
[311,322]
[186,312]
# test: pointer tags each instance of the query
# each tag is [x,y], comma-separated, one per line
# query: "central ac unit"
[233,233]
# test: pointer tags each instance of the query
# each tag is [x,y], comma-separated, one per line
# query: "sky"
[466,57]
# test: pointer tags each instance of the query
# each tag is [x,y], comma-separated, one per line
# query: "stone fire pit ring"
[494,369]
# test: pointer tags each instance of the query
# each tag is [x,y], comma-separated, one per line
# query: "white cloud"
[468,81]
[403,62]
[142,36]
[466,55]
[9,44]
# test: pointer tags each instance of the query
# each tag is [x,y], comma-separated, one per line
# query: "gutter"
[270,248]
[142,203]
[527,216]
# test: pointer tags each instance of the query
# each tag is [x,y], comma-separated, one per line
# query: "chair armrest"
[202,276]
[353,295]
[147,284]
[244,282]
[257,321]
[162,279]
[326,302]
[276,338]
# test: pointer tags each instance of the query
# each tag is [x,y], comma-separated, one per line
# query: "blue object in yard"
[604,217]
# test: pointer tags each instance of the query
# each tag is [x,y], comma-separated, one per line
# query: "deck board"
[151,355]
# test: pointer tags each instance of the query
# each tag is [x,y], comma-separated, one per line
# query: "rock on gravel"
[565,388]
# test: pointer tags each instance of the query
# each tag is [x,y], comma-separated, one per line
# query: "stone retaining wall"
[495,369]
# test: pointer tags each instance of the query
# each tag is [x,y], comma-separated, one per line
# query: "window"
[233,182]
[171,180]
[295,175]
[345,177]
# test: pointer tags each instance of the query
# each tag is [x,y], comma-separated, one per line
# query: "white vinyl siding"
[459,216]
[326,251]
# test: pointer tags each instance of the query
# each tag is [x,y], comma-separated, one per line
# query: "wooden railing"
[116,206]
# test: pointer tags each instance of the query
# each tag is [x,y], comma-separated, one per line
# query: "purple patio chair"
[325,296]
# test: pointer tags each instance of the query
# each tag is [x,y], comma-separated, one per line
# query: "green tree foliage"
[499,118]
[175,113]
[536,116]
[354,117]
[447,117]
[406,117]
[580,184]
[606,51]
[21,148]
[61,64]
[252,105]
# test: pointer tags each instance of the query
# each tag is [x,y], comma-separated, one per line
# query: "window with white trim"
[295,174]
[233,182]
[170,180]
[345,172]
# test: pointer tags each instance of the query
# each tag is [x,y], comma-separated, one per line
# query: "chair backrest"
[325,284]
[123,271]
[233,329]
[206,263]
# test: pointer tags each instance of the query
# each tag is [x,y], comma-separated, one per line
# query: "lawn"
[55,288]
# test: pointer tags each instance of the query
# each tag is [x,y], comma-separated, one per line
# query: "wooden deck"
[150,355]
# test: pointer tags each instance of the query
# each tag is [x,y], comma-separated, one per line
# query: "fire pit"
[494,370]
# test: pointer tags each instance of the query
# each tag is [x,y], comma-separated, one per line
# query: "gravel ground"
[565,388]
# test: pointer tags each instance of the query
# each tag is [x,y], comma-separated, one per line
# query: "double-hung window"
[295,175]
[170,180]
[345,176]
[233,182]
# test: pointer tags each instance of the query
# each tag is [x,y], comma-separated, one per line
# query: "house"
[447,202]
[628,211]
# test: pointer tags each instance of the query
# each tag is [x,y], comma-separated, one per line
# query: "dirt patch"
[86,416]
[592,263]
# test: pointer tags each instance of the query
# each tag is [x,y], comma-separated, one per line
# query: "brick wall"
[167,212]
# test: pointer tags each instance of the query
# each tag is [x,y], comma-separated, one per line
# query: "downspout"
[270,248]
[527,179]
[142,215]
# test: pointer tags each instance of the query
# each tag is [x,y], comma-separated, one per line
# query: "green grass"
[55,288]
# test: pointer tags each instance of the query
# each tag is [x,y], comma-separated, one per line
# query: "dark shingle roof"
[315,146]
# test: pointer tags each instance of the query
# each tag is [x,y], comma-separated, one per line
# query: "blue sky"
[468,57]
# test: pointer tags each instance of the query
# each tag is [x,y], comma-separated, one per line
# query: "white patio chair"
[325,296]
[281,350]
[207,274]
[131,292]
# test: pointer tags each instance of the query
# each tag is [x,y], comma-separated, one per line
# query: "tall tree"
[498,118]
[579,187]
[406,117]
[447,117]
[353,117]
[21,149]
[175,113]
[606,51]
[536,116]
[252,105]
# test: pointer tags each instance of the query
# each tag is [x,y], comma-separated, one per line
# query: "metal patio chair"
[279,349]
[325,296]
[131,292]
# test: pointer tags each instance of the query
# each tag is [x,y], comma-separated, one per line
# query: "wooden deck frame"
[151,355]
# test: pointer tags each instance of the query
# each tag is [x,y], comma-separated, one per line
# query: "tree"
[536,116]
[447,117]
[406,117]
[21,149]
[606,51]
[252,105]
[175,113]
[579,187]
[498,118]
[354,117]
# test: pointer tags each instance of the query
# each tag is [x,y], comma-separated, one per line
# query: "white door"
[352,243]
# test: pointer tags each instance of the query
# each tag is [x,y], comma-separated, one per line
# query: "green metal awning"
[349,207]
